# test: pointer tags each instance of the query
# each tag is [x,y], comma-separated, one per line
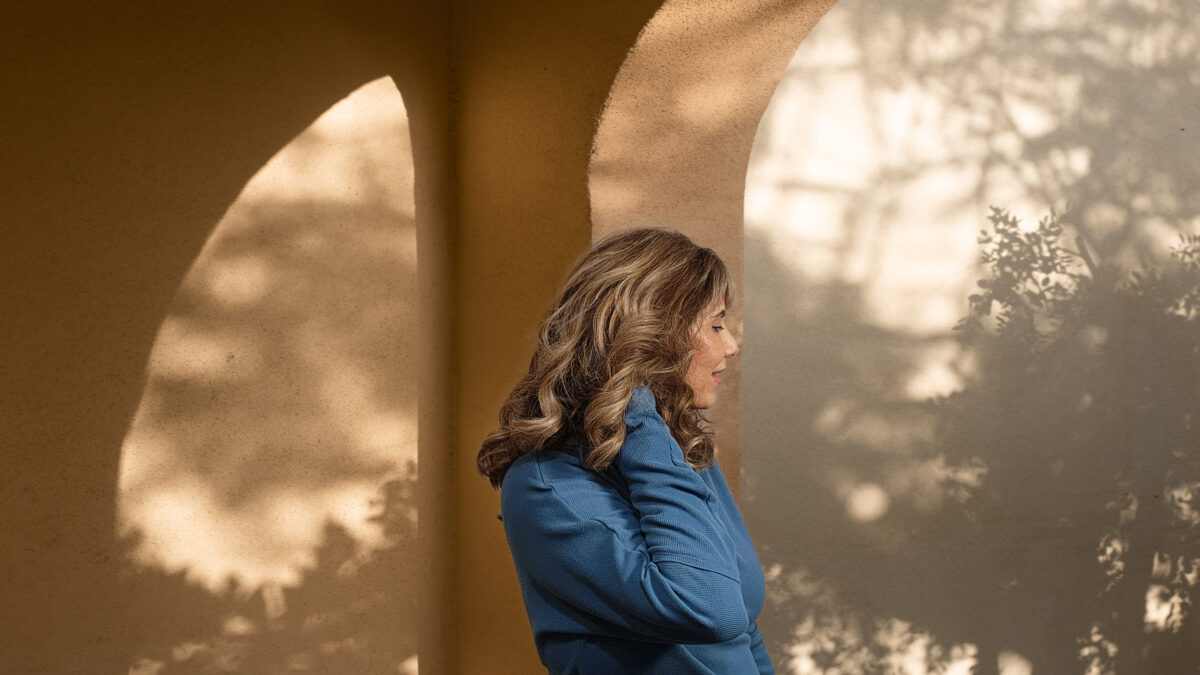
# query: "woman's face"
[713,345]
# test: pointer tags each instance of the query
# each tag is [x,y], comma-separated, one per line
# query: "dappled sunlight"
[239,281]
[974,524]
[860,184]
[866,502]
[186,352]
[281,399]
[830,637]
[352,610]
[357,153]
[1013,663]
[937,373]
[864,423]
[268,538]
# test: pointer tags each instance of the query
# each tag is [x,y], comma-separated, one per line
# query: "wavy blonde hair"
[625,317]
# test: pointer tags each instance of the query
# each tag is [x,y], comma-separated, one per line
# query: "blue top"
[645,567]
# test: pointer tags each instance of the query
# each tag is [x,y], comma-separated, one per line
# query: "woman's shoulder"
[558,479]
[549,467]
[530,463]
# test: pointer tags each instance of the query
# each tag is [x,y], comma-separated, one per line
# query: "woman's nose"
[731,345]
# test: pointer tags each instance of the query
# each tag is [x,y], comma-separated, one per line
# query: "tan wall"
[673,144]
[129,130]
[133,129]
[978,539]
[276,441]
[531,80]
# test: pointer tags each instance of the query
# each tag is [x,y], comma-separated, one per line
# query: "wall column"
[674,142]
[531,79]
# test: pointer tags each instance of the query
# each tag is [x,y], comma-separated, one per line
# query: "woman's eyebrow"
[719,315]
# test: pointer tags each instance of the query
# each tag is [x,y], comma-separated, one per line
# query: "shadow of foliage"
[827,414]
[1089,104]
[1059,524]
[353,611]
[1066,528]
[1084,410]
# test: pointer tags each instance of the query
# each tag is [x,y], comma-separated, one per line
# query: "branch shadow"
[277,404]
[131,129]
[902,535]
[354,611]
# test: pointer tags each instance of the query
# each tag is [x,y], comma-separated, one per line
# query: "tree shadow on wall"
[1055,522]
[131,128]
[1090,375]
[354,611]
[923,537]
[278,401]
[1084,104]
[836,493]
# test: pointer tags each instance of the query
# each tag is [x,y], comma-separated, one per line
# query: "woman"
[630,550]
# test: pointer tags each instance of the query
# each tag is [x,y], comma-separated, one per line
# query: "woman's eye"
[718,329]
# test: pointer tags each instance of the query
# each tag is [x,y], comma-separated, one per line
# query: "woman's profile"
[631,553]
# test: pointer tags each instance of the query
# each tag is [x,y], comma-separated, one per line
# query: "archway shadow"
[278,399]
[132,128]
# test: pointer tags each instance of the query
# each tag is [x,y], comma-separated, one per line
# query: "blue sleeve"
[681,586]
[686,545]
[761,658]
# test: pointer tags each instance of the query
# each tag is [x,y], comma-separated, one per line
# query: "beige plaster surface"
[279,421]
[893,132]
[673,143]
[531,81]
[128,131]
[131,129]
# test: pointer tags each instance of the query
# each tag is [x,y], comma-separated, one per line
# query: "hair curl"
[624,318]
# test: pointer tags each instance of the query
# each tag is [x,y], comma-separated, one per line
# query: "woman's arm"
[675,582]
[692,560]
[761,658]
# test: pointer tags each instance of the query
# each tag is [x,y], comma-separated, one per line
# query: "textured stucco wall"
[129,130]
[132,129]
[278,432]
[1002,539]
[531,80]
[673,143]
